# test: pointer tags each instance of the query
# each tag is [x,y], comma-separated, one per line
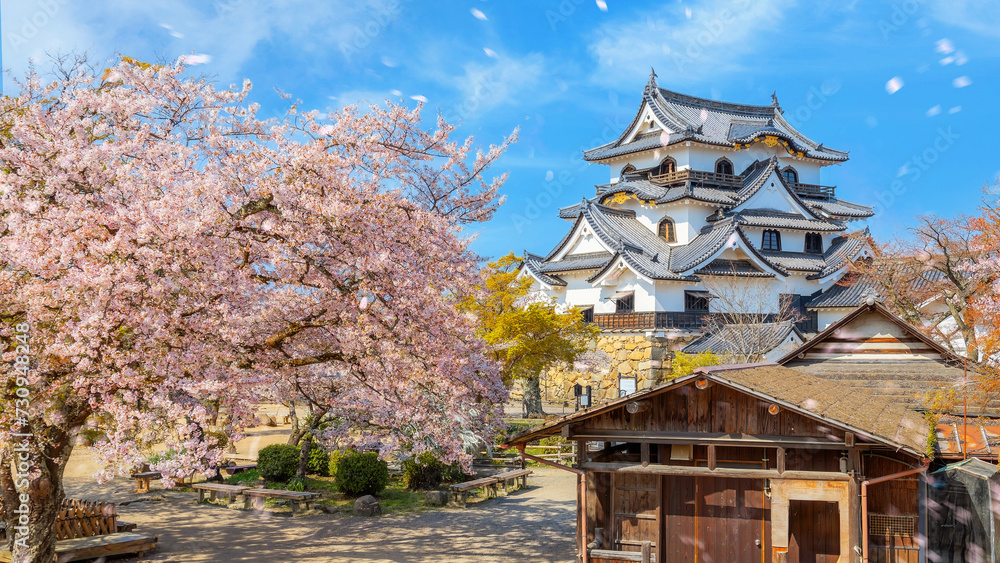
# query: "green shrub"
[296,484]
[278,462]
[319,461]
[335,457]
[428,472]
[362,474]
[250,475]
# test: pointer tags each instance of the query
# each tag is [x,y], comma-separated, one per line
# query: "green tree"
[685,364]
[526,333]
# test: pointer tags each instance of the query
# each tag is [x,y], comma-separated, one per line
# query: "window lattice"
[889,525]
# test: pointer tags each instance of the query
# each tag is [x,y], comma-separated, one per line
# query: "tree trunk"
[532,397]
[31,505]
[304,457]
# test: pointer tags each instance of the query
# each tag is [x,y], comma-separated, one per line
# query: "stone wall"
[646,358]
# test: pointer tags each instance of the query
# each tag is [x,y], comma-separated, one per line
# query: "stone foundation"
[648,359]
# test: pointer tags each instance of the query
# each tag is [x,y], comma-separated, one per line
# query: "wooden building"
[745,463]
[822,459]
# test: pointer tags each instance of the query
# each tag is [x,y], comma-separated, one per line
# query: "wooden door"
[715,520]
[813,532]
[635,511]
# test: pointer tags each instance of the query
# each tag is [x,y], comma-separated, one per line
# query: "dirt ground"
[536,524]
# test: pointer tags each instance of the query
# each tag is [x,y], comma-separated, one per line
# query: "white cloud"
[717,38]
[229,29]
[978,16]
[195,59]
[893,85]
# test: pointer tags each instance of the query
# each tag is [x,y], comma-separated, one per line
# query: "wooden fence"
[84,518]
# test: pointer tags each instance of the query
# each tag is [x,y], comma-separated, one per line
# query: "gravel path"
[536,524]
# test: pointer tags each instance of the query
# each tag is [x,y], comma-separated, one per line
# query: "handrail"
[698,175]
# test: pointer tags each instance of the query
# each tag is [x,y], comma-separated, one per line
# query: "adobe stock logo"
[29,26]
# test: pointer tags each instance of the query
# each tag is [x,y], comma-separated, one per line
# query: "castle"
[699,191]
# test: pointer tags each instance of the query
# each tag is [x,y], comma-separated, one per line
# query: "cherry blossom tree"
[163,252]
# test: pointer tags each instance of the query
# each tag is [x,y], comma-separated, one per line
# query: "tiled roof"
[848,292]
[840,208]
[784,220]
[842,250]
[727,339]
[570,211]
[533,263]
[741,268]
[798,261]
[648,191]
[711,122]
[712,238]
[571,262]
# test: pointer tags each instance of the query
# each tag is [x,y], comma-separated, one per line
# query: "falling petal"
[934,111]
[395,93]
[389,62]
[602,5]
[893,85]
[549,175]
[490,52]
[961,82]
[947,60]
[478,14]
[944,46]
[960,58]
[955,109]
[419,98]
[687,13]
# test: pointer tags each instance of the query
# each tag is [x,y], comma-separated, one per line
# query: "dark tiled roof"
[533,263]
[848,292]
[842,250]
[840,208]
[570,211]
[648,191]
[862,411]
[784,220]
[797,261]
[711,239]
[587,261]
[727,339]
[742,268]
[711,122]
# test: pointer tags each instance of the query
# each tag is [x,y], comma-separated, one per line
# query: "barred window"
[666,230]
[814,243]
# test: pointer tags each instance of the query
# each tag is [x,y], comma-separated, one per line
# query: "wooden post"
[711,457]
[644,455]
[645,552]
[781,460]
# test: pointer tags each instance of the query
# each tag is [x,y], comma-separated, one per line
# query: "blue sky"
[909,87]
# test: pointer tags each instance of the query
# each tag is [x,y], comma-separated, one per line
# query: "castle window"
[624,301]
[771,241]
[666,230]
[667,166]
[791,176]
[696,301]
[723,166]
[587,314]
[629,169]
[814,243]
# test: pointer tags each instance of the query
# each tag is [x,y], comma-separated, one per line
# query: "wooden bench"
[99,547]
[488,484]
[257,496]
[213,489]
[142,480]
[507,476]
[645,554]
[234,469]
